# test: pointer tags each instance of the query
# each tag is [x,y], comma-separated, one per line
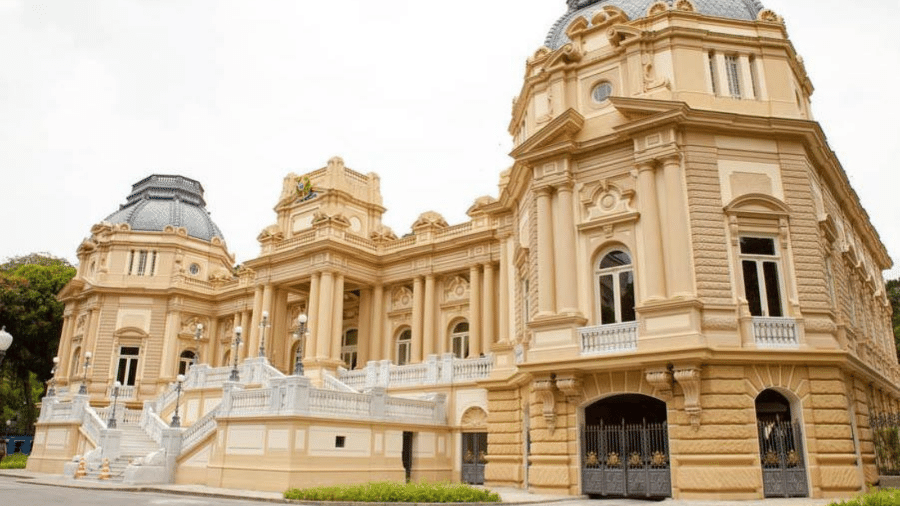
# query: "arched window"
[187,359]
[615,287]
[459,339]
[349,347]
[404,347]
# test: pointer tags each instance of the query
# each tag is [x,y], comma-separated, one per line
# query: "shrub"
[14,461]
[386,491]
[886,497]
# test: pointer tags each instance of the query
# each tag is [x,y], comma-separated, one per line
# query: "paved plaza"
[38,489]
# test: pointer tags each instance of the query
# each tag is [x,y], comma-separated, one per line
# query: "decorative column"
[364,342]
[266,307]
[377,347]
[244,350]
[503,294]
[235,323]
[65,349]
[387,337]
[678,263]
[312,311]
[323,322]
[651,233]
[428,333]
[417,317]
[564,240]
[253,342]
[474,311]
[546,276]
[487,313]
[337,317]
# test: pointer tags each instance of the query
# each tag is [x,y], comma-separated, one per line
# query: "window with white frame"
[459,340]
[733,73]
[762,282]
[614,281]
[404,347]
[128,364]
[141,263]
[185,361]
[350,348]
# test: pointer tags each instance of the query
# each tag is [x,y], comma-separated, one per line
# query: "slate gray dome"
[732,9]
[160,200]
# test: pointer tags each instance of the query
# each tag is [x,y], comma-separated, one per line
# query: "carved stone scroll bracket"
[571,387]
[544,389]
[689,379]
[661,381]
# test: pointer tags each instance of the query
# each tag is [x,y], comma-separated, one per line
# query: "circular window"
[194,269]
[601,92]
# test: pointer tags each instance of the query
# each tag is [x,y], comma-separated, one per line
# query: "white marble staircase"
[135,444]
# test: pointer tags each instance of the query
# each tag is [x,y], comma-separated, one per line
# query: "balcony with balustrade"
[608,339]
[769,332]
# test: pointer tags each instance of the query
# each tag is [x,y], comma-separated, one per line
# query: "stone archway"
[780,446]
[625,448]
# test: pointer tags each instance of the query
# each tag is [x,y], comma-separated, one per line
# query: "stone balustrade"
[775,332]
[444,369]
[610,338]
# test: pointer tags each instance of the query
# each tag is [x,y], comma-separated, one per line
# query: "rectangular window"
[713,75]
[153,263]
[762,285]
[340,441]
[128,363]
[754,77]
[130,262]
[732,69]
[142,262]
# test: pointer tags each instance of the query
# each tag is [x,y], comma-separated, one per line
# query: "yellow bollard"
[81,472]
[104,471]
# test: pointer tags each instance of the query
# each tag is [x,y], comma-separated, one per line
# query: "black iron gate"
[474,448]
[781,455]
[626,460]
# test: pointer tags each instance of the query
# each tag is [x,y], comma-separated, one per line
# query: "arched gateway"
[780,447]
[625,448]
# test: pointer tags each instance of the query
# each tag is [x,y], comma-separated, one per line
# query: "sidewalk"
[508,495]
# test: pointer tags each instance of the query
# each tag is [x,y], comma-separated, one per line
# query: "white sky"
[96,95]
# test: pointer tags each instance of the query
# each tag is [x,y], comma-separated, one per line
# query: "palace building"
[675,293]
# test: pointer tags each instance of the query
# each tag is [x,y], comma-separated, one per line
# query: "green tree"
[32,314]
[893,293]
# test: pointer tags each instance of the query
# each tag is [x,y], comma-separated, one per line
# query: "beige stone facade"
[674,232]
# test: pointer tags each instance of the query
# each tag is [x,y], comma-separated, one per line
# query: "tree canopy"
[32,314]
[893,293]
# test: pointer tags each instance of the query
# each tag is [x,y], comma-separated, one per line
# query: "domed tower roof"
[161,200]
[733,9]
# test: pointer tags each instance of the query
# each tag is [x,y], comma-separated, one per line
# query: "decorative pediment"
[622,34]
[557,135]
[758,205]
[189,325]
[769,16]
[382,233]
[657,8]
[272,233]
[474,418]
[130,333]
[401,298]
[429,220]
[603,198]
[684,5]
[456,289]
[608,15]
[568,54]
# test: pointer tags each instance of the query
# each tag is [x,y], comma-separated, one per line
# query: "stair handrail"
[152,424]
[92,424]
[332,383]
[198,431]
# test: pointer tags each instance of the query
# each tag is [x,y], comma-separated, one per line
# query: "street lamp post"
[262,333]
[300,336]
[111,423]
[176,420]
[87,363]
[237,344]
[6,340]
[51,392]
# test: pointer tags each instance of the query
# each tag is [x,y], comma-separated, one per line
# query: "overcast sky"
[96,95]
